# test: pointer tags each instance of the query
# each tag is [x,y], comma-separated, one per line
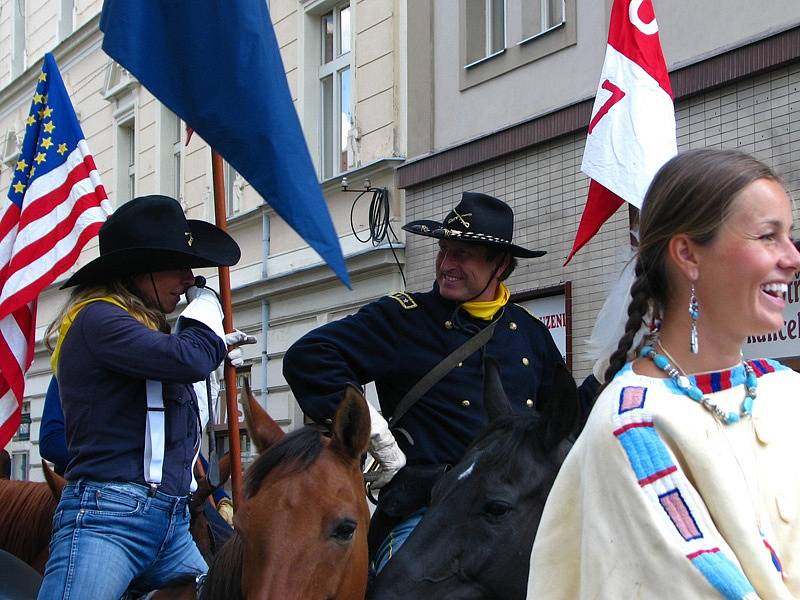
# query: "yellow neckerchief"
[69,318]
[487,310]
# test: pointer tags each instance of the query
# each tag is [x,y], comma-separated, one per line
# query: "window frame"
[23,434]
[19,58]
[170,153]
[66,18]
[26,456]
[126,160]
[545,30]
[488,33]
[517,53]
[331,133]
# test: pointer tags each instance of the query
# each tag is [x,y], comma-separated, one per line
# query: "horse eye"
[496,508]
[344,531]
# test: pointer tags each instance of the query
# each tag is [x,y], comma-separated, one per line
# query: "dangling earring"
[694,314]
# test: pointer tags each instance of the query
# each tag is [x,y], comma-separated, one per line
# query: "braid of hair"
[637,310]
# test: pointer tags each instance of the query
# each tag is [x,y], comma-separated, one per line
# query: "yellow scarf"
[69,318]
[487,310]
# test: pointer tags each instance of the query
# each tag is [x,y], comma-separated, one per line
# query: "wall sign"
[553,307]
[786,341]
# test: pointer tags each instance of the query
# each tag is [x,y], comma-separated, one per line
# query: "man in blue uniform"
[396,340]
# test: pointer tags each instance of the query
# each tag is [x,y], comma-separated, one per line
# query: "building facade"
[426,100]
[343,64]
[508,114]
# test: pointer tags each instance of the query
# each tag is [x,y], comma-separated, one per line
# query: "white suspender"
[154,435]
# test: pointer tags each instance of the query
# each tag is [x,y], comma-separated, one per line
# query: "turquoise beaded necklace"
[687,387]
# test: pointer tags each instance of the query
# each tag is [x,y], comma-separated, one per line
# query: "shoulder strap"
[440,370]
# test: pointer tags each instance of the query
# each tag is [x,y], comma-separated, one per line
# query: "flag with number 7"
[632,129]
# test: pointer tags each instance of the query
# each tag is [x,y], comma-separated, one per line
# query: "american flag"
[56,203]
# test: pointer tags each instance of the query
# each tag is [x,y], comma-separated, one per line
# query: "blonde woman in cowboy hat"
[131,415]
[397,339]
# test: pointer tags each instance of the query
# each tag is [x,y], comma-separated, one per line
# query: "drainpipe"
[264,306]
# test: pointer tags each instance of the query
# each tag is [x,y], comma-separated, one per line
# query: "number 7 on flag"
[616,95]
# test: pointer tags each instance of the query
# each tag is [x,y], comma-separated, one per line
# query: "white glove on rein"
[384,449]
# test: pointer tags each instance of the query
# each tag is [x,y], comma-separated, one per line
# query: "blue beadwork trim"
[725,576]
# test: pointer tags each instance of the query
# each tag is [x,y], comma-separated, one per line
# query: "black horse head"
[475,540]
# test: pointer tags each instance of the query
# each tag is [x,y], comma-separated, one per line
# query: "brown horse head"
[202,530]
[54,481]
[302,527]
[264,431]
[26,517]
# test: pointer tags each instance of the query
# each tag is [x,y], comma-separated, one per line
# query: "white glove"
[237,338]
[204,307]
[384,449]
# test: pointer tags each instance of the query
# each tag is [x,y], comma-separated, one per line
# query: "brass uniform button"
[529,403]
[512,326]
[465,403]
[525,361]
[448,324]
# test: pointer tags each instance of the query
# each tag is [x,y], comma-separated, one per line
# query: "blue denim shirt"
[105,360]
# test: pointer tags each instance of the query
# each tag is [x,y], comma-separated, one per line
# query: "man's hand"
[384,449]
[235,339]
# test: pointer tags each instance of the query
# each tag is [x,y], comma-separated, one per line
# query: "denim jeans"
[108,535]
[396,538]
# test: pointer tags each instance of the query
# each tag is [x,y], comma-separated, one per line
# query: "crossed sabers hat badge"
[459,217]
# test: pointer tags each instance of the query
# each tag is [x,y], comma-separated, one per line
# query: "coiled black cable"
[379,224]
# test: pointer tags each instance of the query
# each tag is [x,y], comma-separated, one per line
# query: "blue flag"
[216,65]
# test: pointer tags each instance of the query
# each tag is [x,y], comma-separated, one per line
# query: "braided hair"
[691,194]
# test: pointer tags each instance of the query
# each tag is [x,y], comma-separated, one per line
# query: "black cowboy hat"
[479,219]
[150,234]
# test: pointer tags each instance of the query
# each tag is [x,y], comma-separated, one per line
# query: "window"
[11,147]
[486,28]
[66,18]
[24,430]
[126,161]
[335,91]
[177,145]
[120,88]
[170,152]
[18,10]
[541,16]
[19,466]
[498,36]
[234,187]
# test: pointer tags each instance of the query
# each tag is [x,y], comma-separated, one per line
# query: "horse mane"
[292,453]
[26,518]
[224,580]
[505,436]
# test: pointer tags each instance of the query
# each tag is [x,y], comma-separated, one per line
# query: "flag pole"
[227,323]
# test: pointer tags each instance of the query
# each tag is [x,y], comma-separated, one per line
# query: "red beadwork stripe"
[708,383]
[699,552]
[629,426]
[657,476]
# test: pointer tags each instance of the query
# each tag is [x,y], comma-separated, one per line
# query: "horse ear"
[262,429]
[224,468]
[55,482]
[351,424]
[495,401]
[560,406]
